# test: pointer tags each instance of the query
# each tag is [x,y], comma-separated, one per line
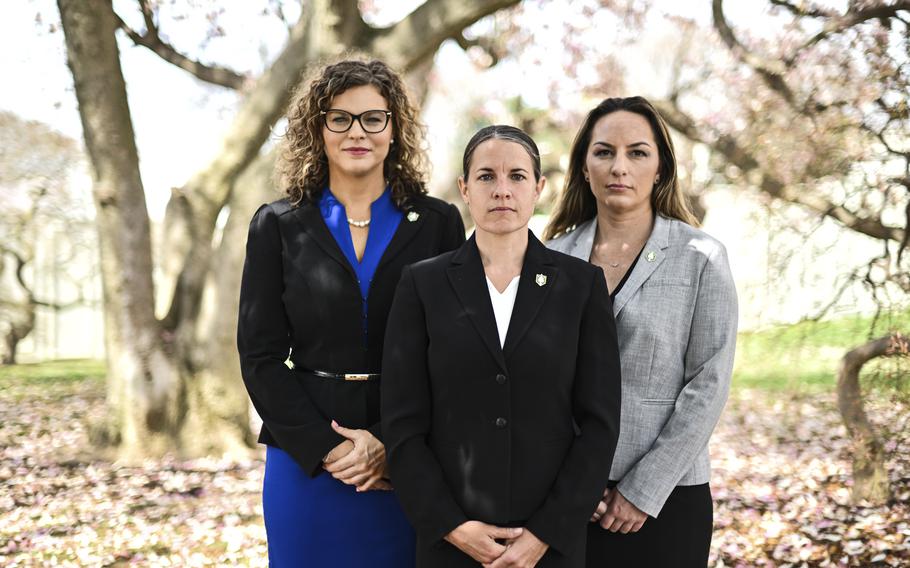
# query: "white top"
[502,306]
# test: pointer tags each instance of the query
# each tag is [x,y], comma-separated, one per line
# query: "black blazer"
[522,435]
[299,295]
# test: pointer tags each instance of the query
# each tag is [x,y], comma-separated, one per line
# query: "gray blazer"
[676,318]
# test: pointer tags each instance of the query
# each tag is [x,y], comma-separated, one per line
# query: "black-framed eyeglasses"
[372,121]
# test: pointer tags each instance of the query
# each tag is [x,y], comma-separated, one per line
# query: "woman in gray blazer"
[675,308]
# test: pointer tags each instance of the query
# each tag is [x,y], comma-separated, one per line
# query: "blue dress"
[320,521]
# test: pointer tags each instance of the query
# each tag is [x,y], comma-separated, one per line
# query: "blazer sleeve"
[453,236]
[596,404]
[263,341]
[406,419]
[708,367]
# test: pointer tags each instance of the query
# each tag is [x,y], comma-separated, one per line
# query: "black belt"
[343,376]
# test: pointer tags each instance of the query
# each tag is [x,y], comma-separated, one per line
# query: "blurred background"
[118,317]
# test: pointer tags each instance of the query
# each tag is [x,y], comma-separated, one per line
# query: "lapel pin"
[541,279]
[413,216]
[652,256]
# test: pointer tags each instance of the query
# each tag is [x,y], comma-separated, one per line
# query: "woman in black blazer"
[501,386]
[320,272]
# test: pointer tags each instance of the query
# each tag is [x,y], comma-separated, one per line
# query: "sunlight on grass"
[804,357]
[60,369]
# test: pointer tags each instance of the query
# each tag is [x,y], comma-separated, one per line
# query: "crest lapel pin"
[540,279]
[413,216]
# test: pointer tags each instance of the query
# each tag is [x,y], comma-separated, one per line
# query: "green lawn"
[805,356]
[51,379]
[60,370]
[793,358]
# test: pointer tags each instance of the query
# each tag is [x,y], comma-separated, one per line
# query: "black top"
[626,275]
[299,297]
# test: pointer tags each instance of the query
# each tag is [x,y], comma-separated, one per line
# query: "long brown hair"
[577,203]
[302,167]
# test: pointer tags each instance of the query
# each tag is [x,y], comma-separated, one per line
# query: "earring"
[587,178]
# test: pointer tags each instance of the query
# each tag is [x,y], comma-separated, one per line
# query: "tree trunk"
[18,330]
[870,478]
[145,393]
[174,384]
[218,402]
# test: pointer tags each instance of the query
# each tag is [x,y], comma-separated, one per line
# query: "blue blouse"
[384,221]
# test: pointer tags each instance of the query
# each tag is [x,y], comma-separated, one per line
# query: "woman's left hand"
[522,552]
[364,466]
[622,516]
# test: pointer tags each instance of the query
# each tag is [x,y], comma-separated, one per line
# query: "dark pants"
[680,536]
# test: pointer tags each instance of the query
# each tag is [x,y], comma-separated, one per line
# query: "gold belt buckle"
[356,377]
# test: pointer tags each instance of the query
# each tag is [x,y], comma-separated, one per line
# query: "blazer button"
[501,422]
[501,379]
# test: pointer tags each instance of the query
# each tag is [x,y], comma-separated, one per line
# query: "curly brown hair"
[302,167]
[577,204]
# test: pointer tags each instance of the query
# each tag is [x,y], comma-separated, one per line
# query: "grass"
[51,379]
[804,357]
[56,370]
[792,358]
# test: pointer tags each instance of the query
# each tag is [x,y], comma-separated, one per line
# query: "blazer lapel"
[413,221]
[651,257]
[538,276]
[469,282]
[315,227]
[583,240]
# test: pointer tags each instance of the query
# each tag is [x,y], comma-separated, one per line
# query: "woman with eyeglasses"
[321,267]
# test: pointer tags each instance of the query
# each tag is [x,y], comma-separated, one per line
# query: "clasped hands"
[616,514]
[358,461]
[498,547]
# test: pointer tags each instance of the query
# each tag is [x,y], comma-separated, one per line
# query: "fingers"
[506,533]
[491,552]
[626,527]
[339,451]
[599,511]
[347,461]
[346,432]
[356,479]
[375,483]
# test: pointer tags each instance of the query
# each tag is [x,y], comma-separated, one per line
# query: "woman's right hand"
[478,540]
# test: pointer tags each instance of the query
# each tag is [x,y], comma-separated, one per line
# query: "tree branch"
[350,22]
[836,25]
[771,70]
[486,44]
[728,147]
[803,12]
[428,26]
[215,74]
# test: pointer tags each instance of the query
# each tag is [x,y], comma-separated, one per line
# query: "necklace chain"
[360,224]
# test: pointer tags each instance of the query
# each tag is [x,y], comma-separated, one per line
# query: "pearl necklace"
[359,224]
